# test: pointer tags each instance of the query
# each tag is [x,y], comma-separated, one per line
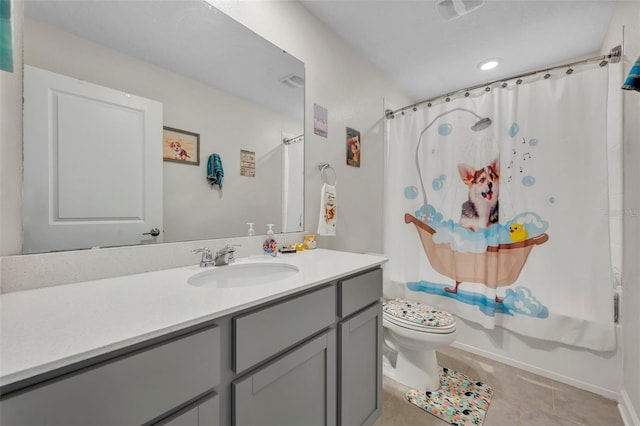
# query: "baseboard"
[627,411]
[607,393]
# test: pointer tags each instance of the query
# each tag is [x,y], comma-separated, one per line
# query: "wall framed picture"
[353,147]
[247,163]
[320,120]
[180,146]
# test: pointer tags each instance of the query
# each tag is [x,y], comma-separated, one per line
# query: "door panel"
[92,164]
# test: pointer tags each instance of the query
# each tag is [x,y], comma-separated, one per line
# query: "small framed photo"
[353,147]
[180,146]
[320,120]
[247,163]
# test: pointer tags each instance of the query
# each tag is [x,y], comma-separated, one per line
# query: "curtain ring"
[323,169]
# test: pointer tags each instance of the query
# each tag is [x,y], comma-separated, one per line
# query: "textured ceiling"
[426,56]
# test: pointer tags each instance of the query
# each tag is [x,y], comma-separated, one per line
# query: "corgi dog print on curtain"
[497,208]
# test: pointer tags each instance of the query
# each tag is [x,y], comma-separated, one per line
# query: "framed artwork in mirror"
[353,147]
[180,146]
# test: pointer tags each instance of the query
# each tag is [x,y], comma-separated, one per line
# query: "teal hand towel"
[6,40]
[215,172]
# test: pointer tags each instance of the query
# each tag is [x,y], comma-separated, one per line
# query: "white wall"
[336,78]
[627,14]
[353,93]
[192,209]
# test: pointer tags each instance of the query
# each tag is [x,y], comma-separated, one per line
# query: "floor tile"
[454,359]
[513,384]
[584,407]
[529,416]
[520,398]
[501,412]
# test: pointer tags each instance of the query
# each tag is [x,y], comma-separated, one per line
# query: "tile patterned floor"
[520,398]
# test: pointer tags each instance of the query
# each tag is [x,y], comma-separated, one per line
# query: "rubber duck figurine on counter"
[309,243]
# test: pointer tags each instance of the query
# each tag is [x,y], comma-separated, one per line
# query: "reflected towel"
[328,206]
[215,172]
[6,41]
[633,79]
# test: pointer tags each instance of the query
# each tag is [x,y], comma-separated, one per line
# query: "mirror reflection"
[152,122]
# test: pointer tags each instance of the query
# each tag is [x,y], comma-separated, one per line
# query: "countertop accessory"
[207,257]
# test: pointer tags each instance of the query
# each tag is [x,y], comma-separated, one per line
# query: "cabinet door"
[297,389]
[206,412]
[360,360]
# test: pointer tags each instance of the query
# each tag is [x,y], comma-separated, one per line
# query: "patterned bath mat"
[460,400]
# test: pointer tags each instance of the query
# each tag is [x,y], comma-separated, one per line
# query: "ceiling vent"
[293,80]
[452,9]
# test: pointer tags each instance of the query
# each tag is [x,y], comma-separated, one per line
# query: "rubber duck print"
[517,233]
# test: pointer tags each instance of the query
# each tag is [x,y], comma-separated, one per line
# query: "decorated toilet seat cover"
[418,314]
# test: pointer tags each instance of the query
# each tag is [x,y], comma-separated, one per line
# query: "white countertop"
[48,328]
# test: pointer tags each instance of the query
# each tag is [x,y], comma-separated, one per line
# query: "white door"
[92,165]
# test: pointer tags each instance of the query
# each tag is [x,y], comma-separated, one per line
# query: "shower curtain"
[496,208]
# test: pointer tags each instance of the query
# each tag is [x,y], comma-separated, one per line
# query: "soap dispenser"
[251,232]
[270,245]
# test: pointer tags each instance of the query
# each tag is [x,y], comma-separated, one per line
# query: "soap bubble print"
[513,130]
[533,142]
[410,192]
[464,240]
[483,242]
[438,183]
[521,301]
[528,181]
[445,129]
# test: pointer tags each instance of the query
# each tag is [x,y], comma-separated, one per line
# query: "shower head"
[481,124]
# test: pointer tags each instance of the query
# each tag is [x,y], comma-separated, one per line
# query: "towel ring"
[323,169]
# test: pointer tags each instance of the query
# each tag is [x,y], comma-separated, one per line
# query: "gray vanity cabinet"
[143,386]
[306,359]
[297,389]
[360,350]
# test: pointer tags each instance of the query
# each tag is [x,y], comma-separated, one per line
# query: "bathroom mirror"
[211,83]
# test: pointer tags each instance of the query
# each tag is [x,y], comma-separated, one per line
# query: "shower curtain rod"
[288,141]
[613,56]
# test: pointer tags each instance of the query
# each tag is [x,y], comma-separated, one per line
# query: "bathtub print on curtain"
[497,208]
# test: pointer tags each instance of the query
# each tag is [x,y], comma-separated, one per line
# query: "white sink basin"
[243,275]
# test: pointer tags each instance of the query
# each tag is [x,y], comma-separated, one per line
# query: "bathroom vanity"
[303,350]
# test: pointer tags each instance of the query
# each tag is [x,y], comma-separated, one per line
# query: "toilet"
[412,333]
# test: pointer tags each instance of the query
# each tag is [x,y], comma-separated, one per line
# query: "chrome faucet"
[224,256]
[207,257]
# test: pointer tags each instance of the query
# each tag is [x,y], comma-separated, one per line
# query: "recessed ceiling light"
[489,64]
